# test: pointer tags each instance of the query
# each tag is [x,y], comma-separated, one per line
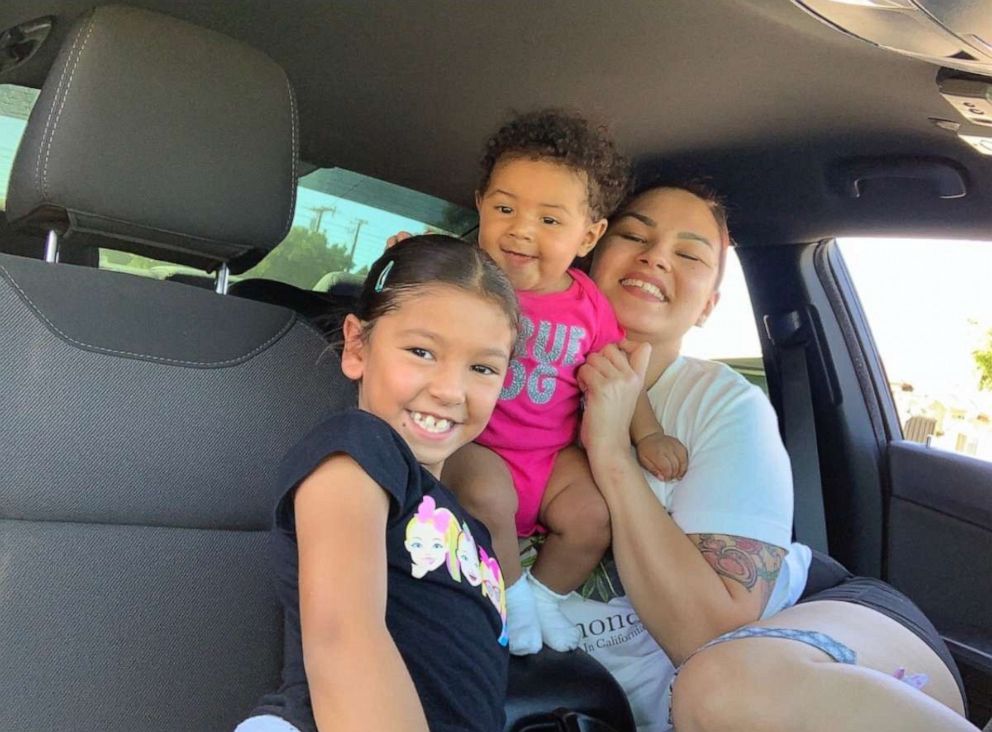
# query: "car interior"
[146,411]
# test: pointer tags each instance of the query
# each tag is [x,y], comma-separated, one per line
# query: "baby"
[549,182]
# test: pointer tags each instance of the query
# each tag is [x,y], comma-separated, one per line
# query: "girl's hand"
[664,457]
[612,381]
[397,238]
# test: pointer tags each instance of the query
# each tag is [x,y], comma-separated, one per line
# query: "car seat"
[144,420]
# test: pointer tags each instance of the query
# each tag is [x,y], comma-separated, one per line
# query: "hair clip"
[381,282]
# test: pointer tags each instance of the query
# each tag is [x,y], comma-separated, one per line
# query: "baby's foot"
[522,622]
[558,631]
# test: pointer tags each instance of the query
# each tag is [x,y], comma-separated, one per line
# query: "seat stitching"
[239,359]
[65,96]
[293,155]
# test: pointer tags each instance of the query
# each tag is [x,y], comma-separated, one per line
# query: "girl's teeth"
[430,423]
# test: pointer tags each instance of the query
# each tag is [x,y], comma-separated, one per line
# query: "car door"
[899,504]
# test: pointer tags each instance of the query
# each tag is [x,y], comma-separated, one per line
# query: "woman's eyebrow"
[646,220]
[695,237]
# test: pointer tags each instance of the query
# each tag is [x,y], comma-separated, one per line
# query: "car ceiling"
[755,95]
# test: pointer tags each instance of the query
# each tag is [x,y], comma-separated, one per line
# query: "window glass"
[341,225]
[146,266]
[929,306]
[15,106]
[730,334]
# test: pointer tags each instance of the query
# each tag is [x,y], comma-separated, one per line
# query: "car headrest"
[172,140]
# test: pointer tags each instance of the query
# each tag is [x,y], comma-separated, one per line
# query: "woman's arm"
[685,589]
[357,679]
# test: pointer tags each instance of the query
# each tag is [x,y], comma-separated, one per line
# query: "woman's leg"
[484,486]
[771,684]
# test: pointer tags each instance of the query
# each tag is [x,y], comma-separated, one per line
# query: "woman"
[720,557]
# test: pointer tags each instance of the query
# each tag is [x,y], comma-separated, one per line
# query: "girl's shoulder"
[365,438]
[608,328]
[585,284]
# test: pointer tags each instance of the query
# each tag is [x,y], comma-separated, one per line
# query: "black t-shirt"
[445,606]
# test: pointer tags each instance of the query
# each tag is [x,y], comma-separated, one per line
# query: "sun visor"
[955,34]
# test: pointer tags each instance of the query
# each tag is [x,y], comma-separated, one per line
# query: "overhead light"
[970,96]
[982,144]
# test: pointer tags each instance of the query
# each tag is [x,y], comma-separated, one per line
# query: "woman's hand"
[612,381]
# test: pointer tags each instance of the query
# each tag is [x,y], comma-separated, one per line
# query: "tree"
[303,258]
[983,359]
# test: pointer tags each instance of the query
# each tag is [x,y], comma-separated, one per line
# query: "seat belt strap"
[788,333]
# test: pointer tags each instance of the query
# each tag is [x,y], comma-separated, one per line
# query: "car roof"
[760,97]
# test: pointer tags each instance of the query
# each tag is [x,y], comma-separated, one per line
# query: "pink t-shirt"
[538,408]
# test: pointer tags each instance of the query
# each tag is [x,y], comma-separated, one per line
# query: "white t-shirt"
[738,482]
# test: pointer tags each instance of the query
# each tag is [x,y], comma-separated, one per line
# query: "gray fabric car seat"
[142,421]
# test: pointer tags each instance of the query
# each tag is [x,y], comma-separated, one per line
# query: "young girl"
[388,626]
[549,182]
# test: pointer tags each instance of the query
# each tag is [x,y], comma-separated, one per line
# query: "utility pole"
[316,221]
[354,242]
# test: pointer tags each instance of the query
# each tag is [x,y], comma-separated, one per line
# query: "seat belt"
[790,334]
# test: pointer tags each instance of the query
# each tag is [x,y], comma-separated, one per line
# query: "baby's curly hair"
[566,138]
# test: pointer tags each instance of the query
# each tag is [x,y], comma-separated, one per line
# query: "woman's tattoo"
[743,560]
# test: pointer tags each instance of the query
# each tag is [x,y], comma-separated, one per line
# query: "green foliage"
[983,359]
[604,582]
[114,259]
[302,259]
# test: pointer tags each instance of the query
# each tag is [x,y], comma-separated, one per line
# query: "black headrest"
[175,141]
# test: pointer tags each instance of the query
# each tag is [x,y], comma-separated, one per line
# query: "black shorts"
[830,580]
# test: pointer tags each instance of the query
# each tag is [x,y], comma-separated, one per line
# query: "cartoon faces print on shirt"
[433,538]
[468,557]
[492,587]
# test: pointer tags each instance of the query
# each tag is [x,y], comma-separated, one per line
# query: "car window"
[15,106]
[730,334]
[340,225]
[932,326]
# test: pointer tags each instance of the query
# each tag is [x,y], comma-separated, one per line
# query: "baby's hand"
[397,238]
[664,457]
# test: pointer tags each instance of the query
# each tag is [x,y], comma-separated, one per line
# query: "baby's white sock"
[558,631]
[522,622]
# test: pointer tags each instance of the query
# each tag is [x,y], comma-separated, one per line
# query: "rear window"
[15,106]
[340,226]
[730,334]
[342,222]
